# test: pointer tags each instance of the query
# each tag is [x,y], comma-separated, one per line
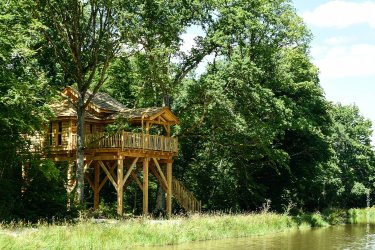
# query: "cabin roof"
[160,114]
[101,100]
[65,108]
[104,107]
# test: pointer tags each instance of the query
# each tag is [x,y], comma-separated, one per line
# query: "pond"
[360,236]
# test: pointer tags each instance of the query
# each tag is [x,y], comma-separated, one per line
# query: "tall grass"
[142,232]
[365,215]
[120,234]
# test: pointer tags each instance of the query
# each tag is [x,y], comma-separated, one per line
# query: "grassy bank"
[144,232]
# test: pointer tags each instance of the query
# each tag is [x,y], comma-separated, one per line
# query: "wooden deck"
[127,140]
[119,141]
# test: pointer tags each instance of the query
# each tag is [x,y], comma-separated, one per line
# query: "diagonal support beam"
[87,165]
[130,170]
[109,175]
[134,178]
[160,172]
[87,177]
[157,176]
[111,170]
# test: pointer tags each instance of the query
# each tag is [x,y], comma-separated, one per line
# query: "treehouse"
[121,156]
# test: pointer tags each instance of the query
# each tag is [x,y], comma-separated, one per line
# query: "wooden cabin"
[120,156]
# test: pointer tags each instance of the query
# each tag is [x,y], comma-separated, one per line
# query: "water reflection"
[337,237]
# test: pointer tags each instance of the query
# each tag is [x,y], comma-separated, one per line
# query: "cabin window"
[91,129]
[59,134]
[50,134]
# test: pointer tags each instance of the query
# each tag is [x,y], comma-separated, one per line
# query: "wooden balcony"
[120,141]
[127,140]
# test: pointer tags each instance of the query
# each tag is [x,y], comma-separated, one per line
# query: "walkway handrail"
[185,198]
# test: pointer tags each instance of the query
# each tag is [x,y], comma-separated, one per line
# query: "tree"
[23,94]
[146,78]
[255,125]
[353,157]
[85,38]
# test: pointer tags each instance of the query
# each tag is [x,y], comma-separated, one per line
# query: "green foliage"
[357,216]
[23,94]
[43,192]
[255,124]
[336,216]
[353,161]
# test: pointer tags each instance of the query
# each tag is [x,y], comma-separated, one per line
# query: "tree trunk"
[160,200]
[80,150]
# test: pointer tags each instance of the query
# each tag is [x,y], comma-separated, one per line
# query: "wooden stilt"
[96,186]
[120,185]
[145,186]
[169,190]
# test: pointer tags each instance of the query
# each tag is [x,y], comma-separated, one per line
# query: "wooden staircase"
[185,198]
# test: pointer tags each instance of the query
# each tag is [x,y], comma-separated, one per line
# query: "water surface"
[334,237]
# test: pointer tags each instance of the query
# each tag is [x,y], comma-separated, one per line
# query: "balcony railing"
[122,140]
[127,140]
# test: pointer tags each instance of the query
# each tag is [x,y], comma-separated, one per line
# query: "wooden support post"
[147,128]
[169,190]
[120,185]
[96,186]
[145,185]
[168,129]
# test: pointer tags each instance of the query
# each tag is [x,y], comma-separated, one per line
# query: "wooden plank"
[120,190]
[160,172]
[169,191]
[108,174]
[145,185]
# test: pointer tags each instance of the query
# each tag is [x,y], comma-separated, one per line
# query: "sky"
[343,49]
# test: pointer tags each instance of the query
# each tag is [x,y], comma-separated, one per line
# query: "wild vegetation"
[118,234]
[255,124]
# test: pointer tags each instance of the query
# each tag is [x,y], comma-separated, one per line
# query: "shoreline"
[129,233]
